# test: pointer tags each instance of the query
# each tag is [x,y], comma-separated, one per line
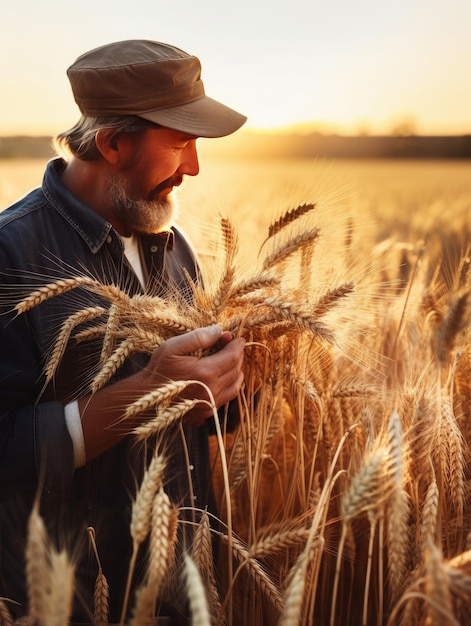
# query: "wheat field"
[344,493]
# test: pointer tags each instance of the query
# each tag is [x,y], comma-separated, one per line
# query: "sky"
[368,66]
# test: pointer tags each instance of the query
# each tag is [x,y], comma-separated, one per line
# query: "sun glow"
[336,67]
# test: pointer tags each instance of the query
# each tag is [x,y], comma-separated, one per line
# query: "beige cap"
[152,80]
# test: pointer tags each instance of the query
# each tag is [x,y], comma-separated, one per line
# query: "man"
[105,211]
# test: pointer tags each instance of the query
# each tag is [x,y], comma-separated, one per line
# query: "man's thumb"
[198,339]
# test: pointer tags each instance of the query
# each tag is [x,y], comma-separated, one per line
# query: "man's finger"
[198,339]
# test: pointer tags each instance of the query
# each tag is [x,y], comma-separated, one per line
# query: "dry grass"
[349,487]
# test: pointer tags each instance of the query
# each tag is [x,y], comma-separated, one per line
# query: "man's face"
[140,191]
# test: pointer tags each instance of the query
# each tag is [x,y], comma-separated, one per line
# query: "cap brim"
[202,118]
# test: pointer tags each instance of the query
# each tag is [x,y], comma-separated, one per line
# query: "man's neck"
[87,180]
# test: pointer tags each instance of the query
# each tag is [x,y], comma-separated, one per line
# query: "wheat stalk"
[5,616]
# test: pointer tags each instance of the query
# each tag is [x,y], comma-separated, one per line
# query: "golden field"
[395,196]
[345,491]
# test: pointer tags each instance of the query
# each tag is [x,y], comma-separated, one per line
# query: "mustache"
[173,181]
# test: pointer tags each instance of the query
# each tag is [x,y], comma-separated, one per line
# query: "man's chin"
[157,221]
[153,229]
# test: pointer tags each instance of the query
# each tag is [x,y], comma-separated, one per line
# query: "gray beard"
[139,216]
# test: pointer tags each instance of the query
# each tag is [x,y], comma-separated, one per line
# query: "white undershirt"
[71,410]
[131,250]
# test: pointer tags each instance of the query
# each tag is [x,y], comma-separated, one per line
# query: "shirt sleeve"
[74,426]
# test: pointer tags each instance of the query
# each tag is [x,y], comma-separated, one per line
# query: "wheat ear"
[164,516]
[164,419]
[331,298]
[101,598]
[162,541]
[167,320]
[437,587]
[101,593]
[70,323]
[367,490]
[250,285]
[37,566]
[293,245]
[160,396]
[126,347]
[257,572]
[109,338]
[141,515]
[142,505]
[279,543]
[462,275]
[288,218]
[62,589]
[50,291]
[370,487]
[196,594]
[398,542]
[224,288]
[277,309]
[429,516]
[455,321]
[202,554]
[298,577]
[452,456]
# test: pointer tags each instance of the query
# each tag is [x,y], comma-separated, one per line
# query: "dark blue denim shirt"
[48,235]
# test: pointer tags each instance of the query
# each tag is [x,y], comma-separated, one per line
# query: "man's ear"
[107,142]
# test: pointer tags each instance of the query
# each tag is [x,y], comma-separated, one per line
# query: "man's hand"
[220,371]
[175,360]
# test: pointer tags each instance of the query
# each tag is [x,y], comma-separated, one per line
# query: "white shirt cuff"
[74,426]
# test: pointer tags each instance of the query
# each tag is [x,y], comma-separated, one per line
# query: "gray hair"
[79,141]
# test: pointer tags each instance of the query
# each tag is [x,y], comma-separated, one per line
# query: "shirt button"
[109,239]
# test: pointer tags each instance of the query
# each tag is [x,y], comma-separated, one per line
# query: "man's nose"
[189,164]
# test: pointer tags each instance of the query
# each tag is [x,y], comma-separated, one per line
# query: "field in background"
[404,198]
